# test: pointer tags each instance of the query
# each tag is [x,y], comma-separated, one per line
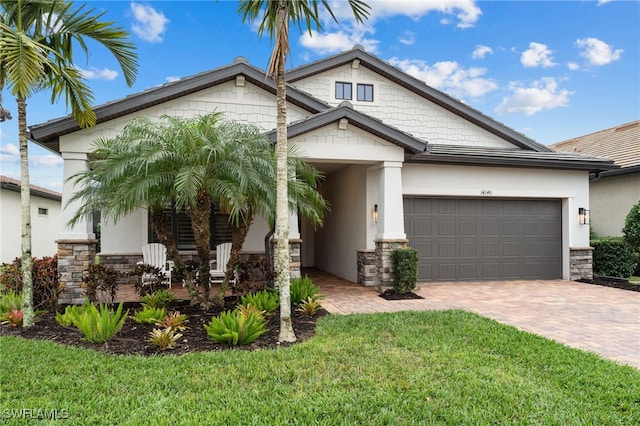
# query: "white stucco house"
[612,193]
[404,163]
[46,220]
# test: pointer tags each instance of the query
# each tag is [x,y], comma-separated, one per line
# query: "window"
[43,211]
[183,234]
[343,90]
[365,92]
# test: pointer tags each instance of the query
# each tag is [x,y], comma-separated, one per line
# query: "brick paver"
[599,319]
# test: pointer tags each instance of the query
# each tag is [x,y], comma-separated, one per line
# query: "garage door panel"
[475,239]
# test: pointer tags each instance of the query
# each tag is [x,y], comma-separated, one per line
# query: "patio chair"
[216,274]
[155,254]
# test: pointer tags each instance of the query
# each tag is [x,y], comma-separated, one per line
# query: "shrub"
[164,338]
[309,307]
[301,289]
[10,301]
[249,309]
[45,281]
[631,230]
[149,315]
[405,269]
[235,328]
[174,320]
[71,315]
[265,300]
[101,278]
[100,325]
[613,257]
[158,299]
[13,318]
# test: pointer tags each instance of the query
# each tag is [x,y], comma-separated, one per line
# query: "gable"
[401,108]
[357,58]
[247,103]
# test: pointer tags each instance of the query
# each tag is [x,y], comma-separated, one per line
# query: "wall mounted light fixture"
[375,213]
[583,216]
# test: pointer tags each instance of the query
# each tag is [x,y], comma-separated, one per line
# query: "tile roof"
[621,144]
[14,185]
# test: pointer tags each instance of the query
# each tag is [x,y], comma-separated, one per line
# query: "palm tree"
[276,15]
[191,163]
[36,53]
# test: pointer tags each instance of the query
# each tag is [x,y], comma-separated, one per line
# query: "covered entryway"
[485,239]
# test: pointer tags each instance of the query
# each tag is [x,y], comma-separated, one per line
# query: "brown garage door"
[485,239]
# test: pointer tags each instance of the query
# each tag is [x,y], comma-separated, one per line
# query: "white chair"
[155,254]
[216,275]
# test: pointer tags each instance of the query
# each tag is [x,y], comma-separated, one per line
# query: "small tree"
[631,232]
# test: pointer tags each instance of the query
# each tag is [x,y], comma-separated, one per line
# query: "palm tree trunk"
[281,260]
[25,203]
[200,215]
[238,237]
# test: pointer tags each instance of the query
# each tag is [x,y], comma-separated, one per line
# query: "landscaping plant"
[149,315]
[10,301]
[613,257]
[101,278]
[405,270]
[631,232]
[44,277]
[71,314]
[236,328]
[301,289]
[175,320]
[158,299]
[98,325]
[309,307]
[265,300]
[164,338]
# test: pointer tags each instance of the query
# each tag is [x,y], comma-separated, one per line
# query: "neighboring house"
[45,220]
[612,193]
[403,162]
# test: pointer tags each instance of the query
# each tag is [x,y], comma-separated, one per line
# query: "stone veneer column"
[295,248]
[367,268]
[580,263]
[384,262]
[74,258]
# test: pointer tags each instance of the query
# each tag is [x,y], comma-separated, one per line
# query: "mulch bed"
[612,282]
[392,295]
[132,338]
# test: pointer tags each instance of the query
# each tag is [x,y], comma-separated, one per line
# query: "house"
[45,220]
[404,164]
[612,193]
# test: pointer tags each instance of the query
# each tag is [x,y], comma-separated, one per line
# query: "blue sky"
[552,70]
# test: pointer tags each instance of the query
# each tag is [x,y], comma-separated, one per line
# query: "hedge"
[613,257]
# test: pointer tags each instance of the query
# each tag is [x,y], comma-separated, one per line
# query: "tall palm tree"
[276,15]
[192,162]
[36,53]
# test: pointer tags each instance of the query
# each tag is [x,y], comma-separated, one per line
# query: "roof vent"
[240,81]
[342,124]
[240,60]
[355,64]
[358,47]
[346,104]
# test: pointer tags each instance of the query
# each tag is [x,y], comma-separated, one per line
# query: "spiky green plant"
[98,325]
[158,299]
[265,300]
[164,338]
[175,320]
[302,288]
[235,328]
[149,315]
[309,307]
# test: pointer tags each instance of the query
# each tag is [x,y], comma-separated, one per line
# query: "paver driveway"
[594,318]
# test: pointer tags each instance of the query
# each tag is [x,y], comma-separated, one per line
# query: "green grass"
[447,367]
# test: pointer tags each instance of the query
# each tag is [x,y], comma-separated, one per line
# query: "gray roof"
[420,88]
[455,154]
[47,134]
[14,185]
[359,120]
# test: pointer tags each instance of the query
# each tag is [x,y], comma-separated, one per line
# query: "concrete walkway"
[594,318]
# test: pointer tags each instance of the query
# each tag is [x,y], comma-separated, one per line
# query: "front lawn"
[448,367]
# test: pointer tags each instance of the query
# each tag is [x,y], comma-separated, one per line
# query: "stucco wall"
[401,108]
[571,187]
[44,229]
[611,200]
[344,231]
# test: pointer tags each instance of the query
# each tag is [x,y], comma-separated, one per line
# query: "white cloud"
[597,52]
[45,161]
[339,41]
[573,66]
[449,77]
[481,51]
[98,74]
[601,2]
[538,55]
[407,38]
[9,154]
[150,24]
[543,94]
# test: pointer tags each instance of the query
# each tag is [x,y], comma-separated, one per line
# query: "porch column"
[76,244]
[390,233]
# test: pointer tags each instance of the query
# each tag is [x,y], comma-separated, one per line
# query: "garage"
[485,239]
